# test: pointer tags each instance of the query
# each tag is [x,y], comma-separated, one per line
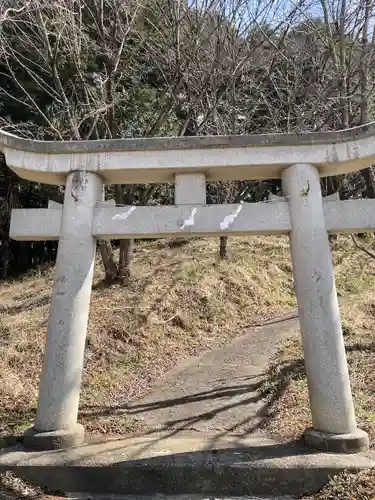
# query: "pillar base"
[354,442]
[53,440]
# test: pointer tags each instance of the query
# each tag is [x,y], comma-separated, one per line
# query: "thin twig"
[364,249]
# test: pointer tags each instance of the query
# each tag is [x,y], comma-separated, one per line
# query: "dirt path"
[218,391]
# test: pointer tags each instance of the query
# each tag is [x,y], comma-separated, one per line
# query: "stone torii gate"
[299,160]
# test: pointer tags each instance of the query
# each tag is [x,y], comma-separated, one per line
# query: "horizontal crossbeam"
[35,224]
[350,216]
[189,220]
[211,220]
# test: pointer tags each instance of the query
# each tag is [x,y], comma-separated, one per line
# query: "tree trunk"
[223,247]
[109,264]
[367,173]
[369,178]
[343,70]
[364,66]
[24,256]
[126,253]
[110,267]
[5,258]
[126,246]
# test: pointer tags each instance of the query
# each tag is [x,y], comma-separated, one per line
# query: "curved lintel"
[157,160]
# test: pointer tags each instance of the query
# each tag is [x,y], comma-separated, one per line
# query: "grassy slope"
[287,384]
[180,302]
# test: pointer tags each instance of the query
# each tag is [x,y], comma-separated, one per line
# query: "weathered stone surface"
[130,161]
[189,162]
[63,359]
[183,463]
[54,440]
[324,351]
[88,496]
[190,189]
[192,220]
[348,216]
[355,442]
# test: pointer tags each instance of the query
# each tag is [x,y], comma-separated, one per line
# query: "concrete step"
[170,497]
[184,463]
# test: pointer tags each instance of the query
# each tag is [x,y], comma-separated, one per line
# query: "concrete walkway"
[218,391]
[203,445]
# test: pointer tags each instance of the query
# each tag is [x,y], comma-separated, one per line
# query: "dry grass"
[286,386]
[287,391]
[14,488]
[180,302]
[346,486]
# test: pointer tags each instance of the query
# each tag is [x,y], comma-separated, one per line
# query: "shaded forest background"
[102,69]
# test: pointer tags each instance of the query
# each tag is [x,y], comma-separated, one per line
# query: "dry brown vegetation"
[286,386]
[349,487]
[15,488]
[181,301]
[290,410]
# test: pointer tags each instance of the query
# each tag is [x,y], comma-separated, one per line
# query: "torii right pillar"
[333,418]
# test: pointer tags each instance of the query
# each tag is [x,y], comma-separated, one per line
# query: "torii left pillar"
[56,419]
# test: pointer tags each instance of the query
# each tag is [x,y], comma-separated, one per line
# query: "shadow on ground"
[269,389]
[144,465]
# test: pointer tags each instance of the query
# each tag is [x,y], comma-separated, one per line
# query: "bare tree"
[100,69]
[117,69]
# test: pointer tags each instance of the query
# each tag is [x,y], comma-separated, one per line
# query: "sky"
[275,11]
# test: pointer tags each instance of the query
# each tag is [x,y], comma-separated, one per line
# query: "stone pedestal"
[56,420]
[334,424]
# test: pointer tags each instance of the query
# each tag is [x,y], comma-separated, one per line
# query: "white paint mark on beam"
[124,216]
[190,220]
[229,219]
[160,222]
[165,221]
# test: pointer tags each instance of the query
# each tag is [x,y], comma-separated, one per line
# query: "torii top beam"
[157,160]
